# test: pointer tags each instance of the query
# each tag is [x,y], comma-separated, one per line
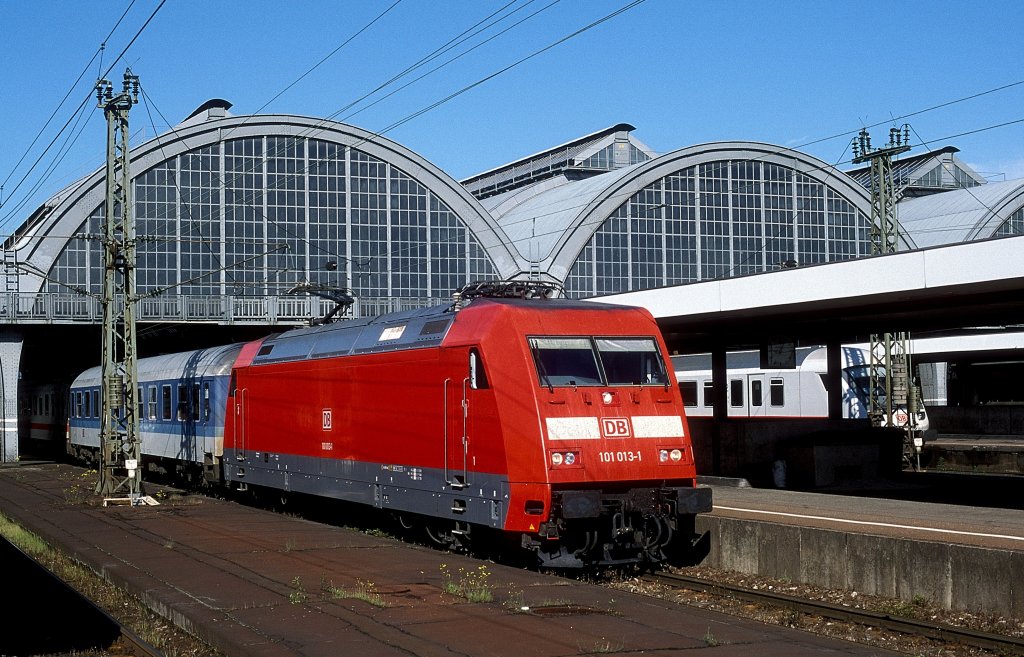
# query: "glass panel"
[165,394]
[709,393]
[565,361]
[632,361]
[689,391]
[777,392]
[756,393]
[182,403]
[736,393]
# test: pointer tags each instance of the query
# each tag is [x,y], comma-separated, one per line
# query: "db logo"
[615,427]
[327,419]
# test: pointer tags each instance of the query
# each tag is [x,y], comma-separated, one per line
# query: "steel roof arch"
[629,181]
[39,245]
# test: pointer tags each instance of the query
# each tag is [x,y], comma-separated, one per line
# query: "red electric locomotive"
[557,422]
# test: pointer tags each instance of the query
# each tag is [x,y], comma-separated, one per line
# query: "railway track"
[936,631]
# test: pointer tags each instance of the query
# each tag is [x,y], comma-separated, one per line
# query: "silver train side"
[784,393]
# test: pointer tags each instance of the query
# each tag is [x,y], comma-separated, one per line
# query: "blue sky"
[683,73]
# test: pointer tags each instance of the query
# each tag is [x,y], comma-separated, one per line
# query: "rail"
[937,631]
[73,308]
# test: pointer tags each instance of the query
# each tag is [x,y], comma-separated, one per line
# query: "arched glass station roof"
[699,213]
[241,209]
[234,211]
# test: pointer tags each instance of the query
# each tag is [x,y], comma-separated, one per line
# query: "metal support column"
[720,401]
[120,449]
[834,378]
[890,366]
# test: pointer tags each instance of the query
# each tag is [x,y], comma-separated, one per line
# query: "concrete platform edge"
[949,575]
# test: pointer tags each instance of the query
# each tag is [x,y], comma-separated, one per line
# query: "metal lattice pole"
[890,364]
[120,448]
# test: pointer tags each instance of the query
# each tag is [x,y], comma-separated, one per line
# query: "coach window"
[78,404]
[477,375]
[165,402]
[206,400]
[195,402]
[140,400]
[88,404]
[95,403]
[777,392]
[709,394]
[756,392]
[152,402]
[182,403]
[736,393]
[689,391]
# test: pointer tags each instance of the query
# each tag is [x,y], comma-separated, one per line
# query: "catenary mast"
[890,385]
[119,473]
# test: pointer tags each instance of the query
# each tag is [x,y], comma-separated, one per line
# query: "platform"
[960,557]
[975,453]
[251,583]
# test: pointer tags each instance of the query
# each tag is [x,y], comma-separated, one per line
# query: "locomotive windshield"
[598,361]
[565,361]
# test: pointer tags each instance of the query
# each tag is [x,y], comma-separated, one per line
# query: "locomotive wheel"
[438,535]
[406,523]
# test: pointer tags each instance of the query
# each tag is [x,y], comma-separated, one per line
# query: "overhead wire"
[7,217]
[364,140]
[67,94]
[442,101]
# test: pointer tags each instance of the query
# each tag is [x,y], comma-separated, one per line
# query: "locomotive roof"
[213,361]
[410,329]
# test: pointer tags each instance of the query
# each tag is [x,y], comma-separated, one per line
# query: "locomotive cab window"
[477,375]
[631,361]
[565,361]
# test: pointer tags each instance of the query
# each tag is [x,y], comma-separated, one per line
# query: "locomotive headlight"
[607,397]
[556,458]
[666,455]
